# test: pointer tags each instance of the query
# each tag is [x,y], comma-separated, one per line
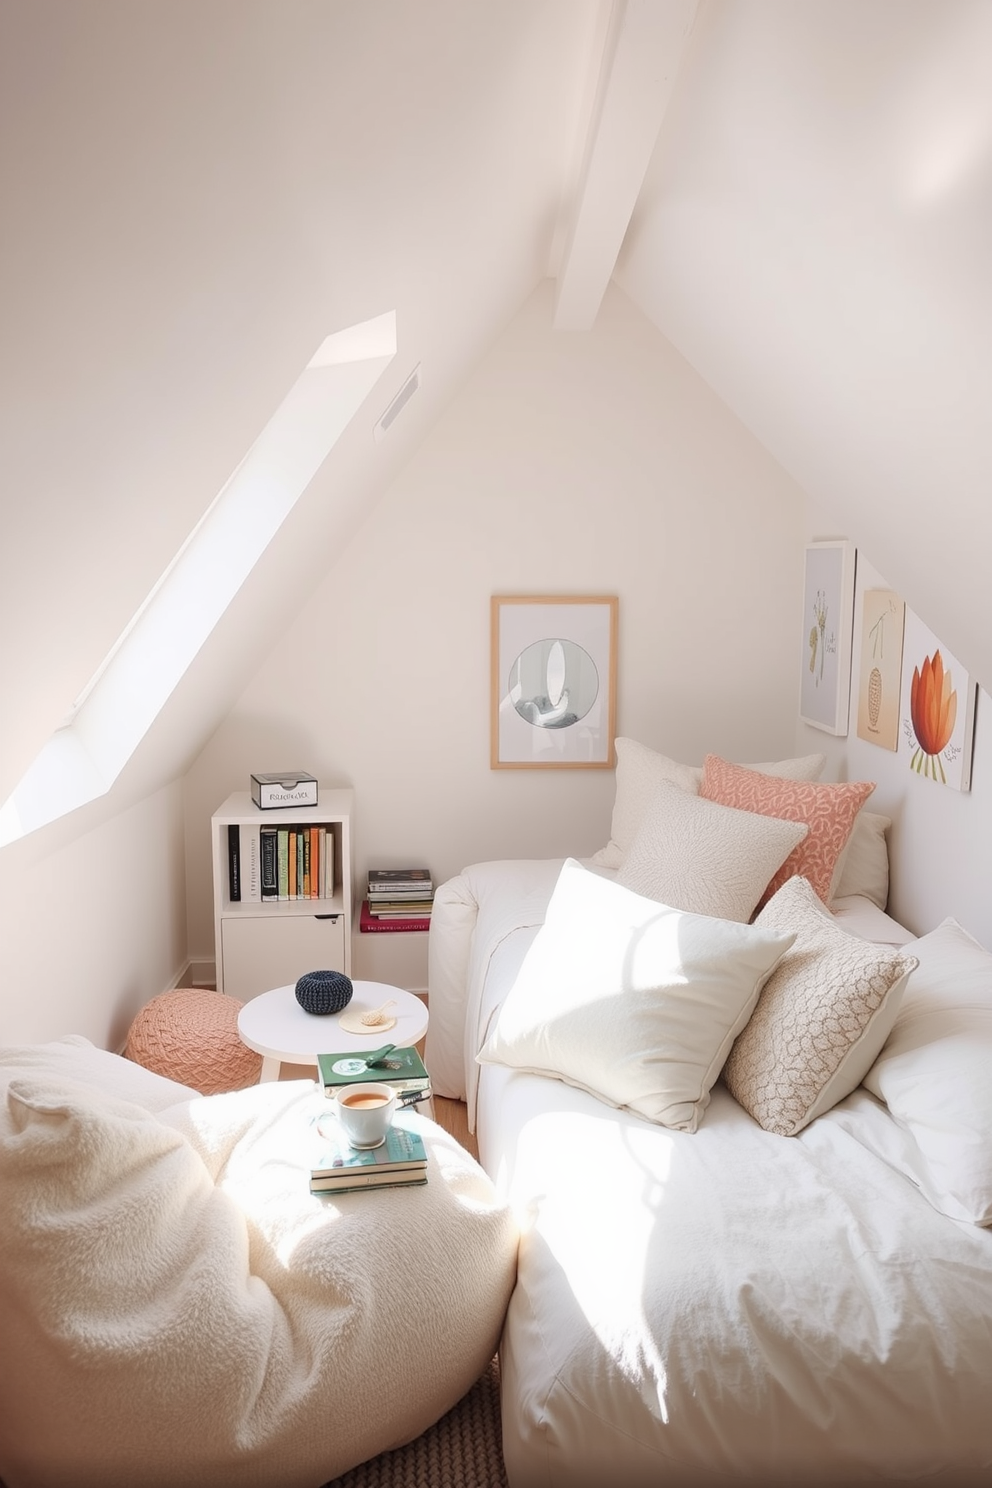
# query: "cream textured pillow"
[821,1019]
[935,1072]
[828,810]
[705,858]
[640,769]
[85,1064]
[632,1000]
[863,866]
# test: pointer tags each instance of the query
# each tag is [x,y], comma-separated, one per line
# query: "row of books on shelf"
[402,1158]
[266,864]
[398,899]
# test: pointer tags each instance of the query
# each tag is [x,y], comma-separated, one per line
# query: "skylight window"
[113,713]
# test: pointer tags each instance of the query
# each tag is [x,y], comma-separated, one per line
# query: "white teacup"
[365,1113]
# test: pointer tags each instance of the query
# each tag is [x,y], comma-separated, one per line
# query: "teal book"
[402,1068]
[339,1164]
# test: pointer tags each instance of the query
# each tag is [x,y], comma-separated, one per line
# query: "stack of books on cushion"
[398,899]
[339,1167]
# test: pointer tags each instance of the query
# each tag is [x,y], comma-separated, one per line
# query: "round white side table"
[275,1025]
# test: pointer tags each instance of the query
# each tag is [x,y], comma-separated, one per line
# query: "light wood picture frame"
[827,635]
[553,670]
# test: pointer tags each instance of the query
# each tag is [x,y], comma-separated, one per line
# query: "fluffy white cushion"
[640,769]
[823,1015]
[935,1071]
[182,1310]
[634,1001]
[705,858]
[107,1074]
[863,867]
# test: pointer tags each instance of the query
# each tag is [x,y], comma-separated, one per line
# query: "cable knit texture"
[191,1035]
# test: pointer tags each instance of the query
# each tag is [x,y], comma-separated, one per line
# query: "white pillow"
[935,1071]
[863,866]
[632,1000]
[640,769]
[97,1069]
[823,1015]
[706,858]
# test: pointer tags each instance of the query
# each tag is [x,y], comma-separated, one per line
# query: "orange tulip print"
[933,706]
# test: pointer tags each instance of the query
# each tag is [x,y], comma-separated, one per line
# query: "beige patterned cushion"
[640,769]
[828,810]
[821,1019]
[704,858]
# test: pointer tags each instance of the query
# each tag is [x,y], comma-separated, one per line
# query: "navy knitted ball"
[324,992]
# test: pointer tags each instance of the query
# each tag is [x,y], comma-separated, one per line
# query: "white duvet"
[723,1306]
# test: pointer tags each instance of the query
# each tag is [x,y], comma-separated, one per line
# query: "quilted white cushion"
[823,1015]
[935,1071]
[705,858]
[632,1000]
[640,769]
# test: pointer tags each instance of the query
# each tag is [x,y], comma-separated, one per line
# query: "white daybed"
[725,1304]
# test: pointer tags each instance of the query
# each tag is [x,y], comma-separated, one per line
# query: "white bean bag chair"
[177,1309]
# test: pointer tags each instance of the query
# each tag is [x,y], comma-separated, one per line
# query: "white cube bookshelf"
[261,944]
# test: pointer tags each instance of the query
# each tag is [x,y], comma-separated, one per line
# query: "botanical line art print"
[828,613]
[883,619]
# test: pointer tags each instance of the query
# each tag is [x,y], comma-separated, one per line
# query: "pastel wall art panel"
[938,709]
[828,616]
[883,623]
[553,669]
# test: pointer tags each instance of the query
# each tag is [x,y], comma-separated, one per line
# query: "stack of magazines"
[398,899]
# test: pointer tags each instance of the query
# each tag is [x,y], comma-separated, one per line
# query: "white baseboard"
[197,974]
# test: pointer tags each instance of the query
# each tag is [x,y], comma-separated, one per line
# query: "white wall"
[593,463]
[813,234]
[92,924]
[940,842]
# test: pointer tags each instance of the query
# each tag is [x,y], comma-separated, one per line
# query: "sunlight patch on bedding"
[607,1256]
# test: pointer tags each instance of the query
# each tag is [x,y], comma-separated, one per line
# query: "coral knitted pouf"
[191,1035]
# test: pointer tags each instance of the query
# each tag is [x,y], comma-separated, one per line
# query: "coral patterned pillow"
[828,810]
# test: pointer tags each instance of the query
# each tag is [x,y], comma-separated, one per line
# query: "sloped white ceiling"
[815,235]
[196,192]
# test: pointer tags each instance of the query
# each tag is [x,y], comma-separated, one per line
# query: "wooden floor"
[453,1116]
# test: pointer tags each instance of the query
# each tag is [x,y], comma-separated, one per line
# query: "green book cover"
[403,1068]
[402,1150]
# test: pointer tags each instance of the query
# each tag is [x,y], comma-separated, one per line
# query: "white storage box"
[284,788]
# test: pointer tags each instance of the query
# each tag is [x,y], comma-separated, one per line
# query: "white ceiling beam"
[645,43]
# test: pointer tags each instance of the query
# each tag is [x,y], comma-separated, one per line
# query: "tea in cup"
[365,1113]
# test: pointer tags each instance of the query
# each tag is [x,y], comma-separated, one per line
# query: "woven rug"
[462,1450]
